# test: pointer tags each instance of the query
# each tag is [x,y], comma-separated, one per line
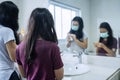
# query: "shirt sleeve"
[18,56]
[85,36]
[8,35]
[56,58]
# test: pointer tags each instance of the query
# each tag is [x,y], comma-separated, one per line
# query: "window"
[62,15]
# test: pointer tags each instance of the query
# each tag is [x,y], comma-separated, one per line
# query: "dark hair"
[9,17]
[41,24]
[79,32]
[110,33]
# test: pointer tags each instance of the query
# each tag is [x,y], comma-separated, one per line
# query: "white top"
[75,47]
[6,65]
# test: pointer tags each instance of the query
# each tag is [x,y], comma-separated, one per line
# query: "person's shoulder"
[5,29]
[115,39]
[52,44]
[85,35]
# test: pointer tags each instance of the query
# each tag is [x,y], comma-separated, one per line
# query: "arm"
[11,48]
[68,41]
[82,44]
[21,71]
[59,73]
[96,50]
[57,63]
[110,52]
[95,44]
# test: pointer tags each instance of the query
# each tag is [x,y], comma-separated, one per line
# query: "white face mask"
[74,28]
[104,35]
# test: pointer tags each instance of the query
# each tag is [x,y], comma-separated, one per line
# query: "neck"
[105,39]
[40,38]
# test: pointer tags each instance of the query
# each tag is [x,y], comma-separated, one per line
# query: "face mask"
[104,35]
[74,28]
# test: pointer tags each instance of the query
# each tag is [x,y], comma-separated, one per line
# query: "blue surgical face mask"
[74,28]
[104,35]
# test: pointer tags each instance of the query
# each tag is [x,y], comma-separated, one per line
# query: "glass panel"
[73,14]
[66,22]
[51,9]
[58,21]
[62,18]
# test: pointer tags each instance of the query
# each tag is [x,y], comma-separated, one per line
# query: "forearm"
[81,44]
[96,50]
[109,51]
[21,71]
[59,74]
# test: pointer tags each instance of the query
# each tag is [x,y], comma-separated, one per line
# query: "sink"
[76,69]
[72,65]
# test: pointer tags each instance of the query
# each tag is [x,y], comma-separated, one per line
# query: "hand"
[68,37]
[73,36]
[68,44]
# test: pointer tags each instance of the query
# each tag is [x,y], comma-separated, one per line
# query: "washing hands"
[73,36]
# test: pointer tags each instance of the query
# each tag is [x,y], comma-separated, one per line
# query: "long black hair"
[41,25]
[79,32]
[9,17]
[106,26]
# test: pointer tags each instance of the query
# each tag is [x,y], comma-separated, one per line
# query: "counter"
[101,68]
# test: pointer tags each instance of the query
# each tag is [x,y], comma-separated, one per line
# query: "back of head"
[41,25]
[9,16]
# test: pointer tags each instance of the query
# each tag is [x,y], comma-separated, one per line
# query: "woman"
[77,40]
[107,44]
[38,56]
[8,40]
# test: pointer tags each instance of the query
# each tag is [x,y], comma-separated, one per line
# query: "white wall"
[103,10]
[27,7]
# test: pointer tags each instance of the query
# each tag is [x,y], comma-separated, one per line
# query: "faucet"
[79,55]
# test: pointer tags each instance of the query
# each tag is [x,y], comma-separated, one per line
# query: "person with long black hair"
[38,56]
[107,44]
[8,40]
[77,39]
